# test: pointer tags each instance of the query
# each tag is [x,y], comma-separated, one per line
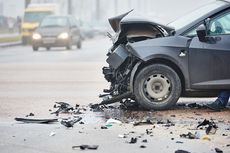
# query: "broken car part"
[181,151]
[39,121]
[83,147]
[63,107]
[212,127]
[70,122]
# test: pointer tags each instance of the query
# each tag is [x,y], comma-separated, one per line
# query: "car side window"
[220,25]
[72,24]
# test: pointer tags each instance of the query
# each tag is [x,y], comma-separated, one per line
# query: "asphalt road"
[33,81]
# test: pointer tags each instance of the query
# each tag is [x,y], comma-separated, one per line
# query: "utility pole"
[27,2]
[98,15]
[70,7]
[115,7]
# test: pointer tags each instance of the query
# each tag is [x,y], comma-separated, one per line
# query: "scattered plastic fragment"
[142,146]
[181,151]
[205,137]
[63,107]
[83,147]
[179,142]
[52,134]
[218,150]
[70,122]
[189,135]
[104,127]
[122,136]
[31,114]
[145,140]
[212,127]
[133,140]
[145,122]
[39,121]
[113,121]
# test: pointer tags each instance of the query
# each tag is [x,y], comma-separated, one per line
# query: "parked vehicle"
[33,15]
[57,31]
[154,64]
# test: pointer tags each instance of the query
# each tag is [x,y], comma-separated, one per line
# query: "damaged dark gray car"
[153,64]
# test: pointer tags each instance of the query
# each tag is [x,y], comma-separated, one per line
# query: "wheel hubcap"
[157,87]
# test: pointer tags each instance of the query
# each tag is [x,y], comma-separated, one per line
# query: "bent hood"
[115,22]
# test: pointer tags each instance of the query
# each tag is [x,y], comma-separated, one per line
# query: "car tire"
[69,46]
[157,87]
[35,48]
[79,44]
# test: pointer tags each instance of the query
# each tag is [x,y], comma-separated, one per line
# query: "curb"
[4,45]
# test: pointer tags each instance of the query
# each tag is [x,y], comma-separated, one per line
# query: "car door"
[209,62]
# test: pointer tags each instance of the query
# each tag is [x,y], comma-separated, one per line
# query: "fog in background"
[97,11]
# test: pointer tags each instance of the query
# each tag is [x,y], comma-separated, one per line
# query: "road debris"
[133,140]
[145,140]
[145,122]
[113,121]
[31,114]
[122,136]
[181,151]
[70,121]
[218,150]
[142,146]
[212,127]
[63,107]
[189,135]
[83,147]
[205,137]
[52,134]
[39,121]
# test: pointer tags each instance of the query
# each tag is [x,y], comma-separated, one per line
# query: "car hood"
[115,22]
[51,31]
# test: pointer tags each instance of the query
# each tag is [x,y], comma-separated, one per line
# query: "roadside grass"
[10,39]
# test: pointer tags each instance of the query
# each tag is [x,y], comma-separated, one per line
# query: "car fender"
[173,50]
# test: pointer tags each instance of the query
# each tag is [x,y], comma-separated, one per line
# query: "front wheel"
[157,87]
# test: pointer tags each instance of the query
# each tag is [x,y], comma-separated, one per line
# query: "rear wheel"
[69,45]
[79,44]
[157,87]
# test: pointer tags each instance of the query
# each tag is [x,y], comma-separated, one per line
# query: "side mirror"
[201,33]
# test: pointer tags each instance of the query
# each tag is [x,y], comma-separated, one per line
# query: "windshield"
[189,18]
[35,16]
[54,22]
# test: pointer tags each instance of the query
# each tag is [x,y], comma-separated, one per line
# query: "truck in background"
[33,15]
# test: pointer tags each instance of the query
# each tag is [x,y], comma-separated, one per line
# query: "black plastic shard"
[212,127]
[39,121]
[205,122]
[218,150]
[181,151]
[63,107]
[133,140]
[83,147]
[189,135]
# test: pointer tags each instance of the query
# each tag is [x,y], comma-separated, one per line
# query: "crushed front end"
[118,73]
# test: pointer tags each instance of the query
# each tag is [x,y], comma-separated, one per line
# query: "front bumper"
[50,42]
